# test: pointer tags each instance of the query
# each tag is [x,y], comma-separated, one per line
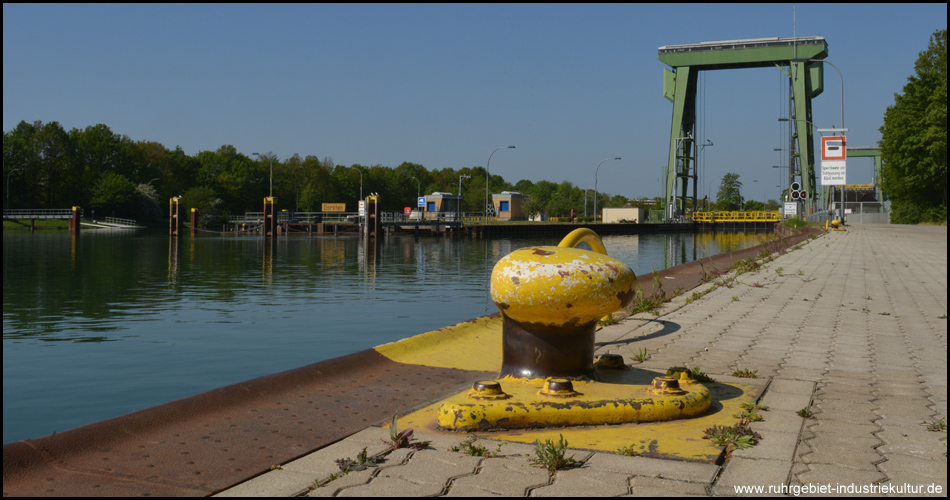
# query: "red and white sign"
[407,210]
[834,155]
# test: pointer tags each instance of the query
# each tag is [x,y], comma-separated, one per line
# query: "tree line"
[914,140]
[98,169]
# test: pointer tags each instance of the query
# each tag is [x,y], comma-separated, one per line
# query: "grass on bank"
[24,224]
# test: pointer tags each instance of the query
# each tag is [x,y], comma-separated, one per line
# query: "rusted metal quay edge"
[203,444]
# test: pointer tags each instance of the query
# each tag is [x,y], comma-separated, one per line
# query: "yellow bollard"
[550,299]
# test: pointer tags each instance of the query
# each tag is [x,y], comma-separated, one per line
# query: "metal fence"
[40,213]
[297,217]
[120,222]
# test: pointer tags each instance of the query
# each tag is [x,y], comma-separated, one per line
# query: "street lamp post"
[709,189]
[841,79]
[271,158]
[463,176]
[487,166]
[8,185]
[361,181]
[765,199]
[418,187]
[587,190]
[595,184]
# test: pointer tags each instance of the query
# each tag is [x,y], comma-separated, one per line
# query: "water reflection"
[107,323]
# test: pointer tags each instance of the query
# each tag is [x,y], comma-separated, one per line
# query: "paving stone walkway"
[851,326]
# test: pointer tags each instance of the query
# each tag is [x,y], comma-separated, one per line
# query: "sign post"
[834,170]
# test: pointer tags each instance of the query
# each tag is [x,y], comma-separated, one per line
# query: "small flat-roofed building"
[442,206]
[623,214]
[508,205]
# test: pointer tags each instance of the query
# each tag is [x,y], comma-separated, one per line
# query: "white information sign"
[834,170]
[791,209]
[362,208]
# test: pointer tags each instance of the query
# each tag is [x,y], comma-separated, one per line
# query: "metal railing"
[120,222]
[297,217]
[40,213]
[756,216]
[416,216]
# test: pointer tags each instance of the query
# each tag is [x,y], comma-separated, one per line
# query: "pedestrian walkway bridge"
[66,214]
[756,216]
[40,213]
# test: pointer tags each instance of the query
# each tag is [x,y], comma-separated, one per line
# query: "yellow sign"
[334,207]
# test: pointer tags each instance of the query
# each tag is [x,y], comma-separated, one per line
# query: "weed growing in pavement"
[801,273]
[753,406]
[362,461]
[641,355]
[937,425]
[707,276]
[779,270]
[735,298]
[737,437]
[348,465]
[751,412]
[745,373]
[701,376]
[468,447]
[551,455]
[608,320]
[402,439]
[643,303]
[942,316]
[805,413]
[630,451]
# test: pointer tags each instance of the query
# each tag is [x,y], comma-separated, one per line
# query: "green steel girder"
[679,86]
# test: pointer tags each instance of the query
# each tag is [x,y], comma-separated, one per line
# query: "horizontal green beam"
[750,53]
[863,153]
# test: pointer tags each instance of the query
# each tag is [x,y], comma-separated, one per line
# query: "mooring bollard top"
[560,285]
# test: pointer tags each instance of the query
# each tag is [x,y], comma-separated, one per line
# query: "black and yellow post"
[174,218]
[270,216]
[374,222]
[194,221]
[74,222]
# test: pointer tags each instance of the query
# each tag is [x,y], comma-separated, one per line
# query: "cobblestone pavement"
[851,326]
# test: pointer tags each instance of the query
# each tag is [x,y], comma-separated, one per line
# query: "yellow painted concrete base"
[622,396]
[682,439]
[476,345]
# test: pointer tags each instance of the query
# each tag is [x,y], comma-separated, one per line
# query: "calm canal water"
[114,322]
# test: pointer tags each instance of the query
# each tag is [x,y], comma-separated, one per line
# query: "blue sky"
[444,85]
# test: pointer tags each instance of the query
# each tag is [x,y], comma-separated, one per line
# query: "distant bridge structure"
[801,55]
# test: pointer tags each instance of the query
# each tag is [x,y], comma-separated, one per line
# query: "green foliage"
[729,196]
[794,222]
[362,461]
[52,168]
[737,437]
[115,194]
[630,451]
[937,425]
[641,355]
[469,447]
[700,376]
[403,439]
[551,455]
[914,141]
[205,203]
[147,205]
[745,373]
[753,206]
